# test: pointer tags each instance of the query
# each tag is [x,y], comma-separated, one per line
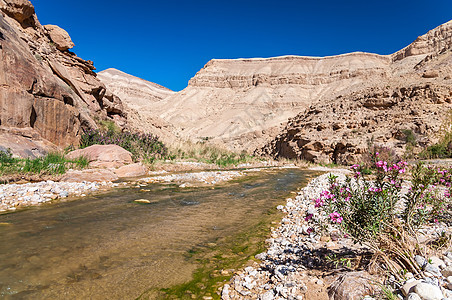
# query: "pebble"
[406,288]
[446,272]
[284,266]
[432,269]
[210,177]
[15,195]
[421,261]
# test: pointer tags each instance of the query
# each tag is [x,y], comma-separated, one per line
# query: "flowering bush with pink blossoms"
[376,212]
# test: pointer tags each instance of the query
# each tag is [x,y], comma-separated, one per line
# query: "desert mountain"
[334,104]
[412,100]
[242,102]
[138,97]
[338,102]
[47,93]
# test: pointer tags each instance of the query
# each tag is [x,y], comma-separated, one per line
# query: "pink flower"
[336,217]
[376,153]
[435,220]
[318,202]
[380,163]
[309,230]
[308,217]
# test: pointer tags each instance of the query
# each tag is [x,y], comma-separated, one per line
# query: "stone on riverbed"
[95,175]
[103,156]
[144,201]
[132,170]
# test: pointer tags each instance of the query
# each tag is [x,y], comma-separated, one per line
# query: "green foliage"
[109,126]
[210,154]
[51,164]
[410,137]
[387,293]
[443,148]
[145,147]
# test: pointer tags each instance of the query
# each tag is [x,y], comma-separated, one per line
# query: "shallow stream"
[110,247]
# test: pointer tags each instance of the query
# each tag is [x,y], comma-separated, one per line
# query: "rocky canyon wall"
[47,93]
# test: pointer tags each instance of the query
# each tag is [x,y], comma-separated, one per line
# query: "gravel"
[14,196]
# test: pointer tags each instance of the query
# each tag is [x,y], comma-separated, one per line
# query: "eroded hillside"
[415,97]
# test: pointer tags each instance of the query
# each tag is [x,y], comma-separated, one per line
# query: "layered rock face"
[242,102]
[135,92]
[46,91]
[139,98]
[414,97]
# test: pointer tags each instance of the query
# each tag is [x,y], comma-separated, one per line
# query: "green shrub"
[410,137]
[208,153]
[146,147]
[443,148]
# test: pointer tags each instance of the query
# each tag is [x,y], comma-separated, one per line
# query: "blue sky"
[167,42]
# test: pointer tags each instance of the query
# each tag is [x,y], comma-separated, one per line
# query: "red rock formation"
[43,86]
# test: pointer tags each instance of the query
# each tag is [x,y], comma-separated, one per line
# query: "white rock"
[413,296]
[428,291]
[225,292]
[269,295]
[421,262]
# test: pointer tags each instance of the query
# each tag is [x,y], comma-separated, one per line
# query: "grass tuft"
[51,164]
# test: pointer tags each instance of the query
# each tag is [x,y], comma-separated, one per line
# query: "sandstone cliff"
[47,93]
[414,96]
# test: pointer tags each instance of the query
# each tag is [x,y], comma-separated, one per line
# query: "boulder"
[103,156]
[96,175]
[60,37]
[132,170]
[352,286]
[430,74]
[31,146]
[20,10]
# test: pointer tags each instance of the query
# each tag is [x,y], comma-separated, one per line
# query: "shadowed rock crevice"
[33,117]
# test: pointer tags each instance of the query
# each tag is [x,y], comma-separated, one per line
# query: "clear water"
[109,247]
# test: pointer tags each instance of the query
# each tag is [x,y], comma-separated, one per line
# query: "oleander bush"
[376,212]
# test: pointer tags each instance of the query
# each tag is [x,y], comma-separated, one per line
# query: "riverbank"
[20,195]
[299,264]
[15,196]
